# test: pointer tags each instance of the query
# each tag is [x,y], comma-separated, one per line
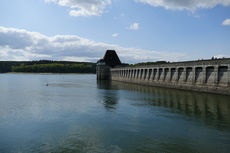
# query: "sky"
[139,30]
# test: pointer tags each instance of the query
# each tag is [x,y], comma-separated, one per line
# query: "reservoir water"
[74,113]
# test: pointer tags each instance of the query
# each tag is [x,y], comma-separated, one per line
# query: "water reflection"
[214,109]
[109,95]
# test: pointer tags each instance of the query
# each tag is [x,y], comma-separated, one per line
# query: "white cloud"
[185,4]
[134,26]
[115,35]
[18,44]
[83,7]
[226,22]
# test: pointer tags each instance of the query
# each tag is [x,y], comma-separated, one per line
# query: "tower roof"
[110,58]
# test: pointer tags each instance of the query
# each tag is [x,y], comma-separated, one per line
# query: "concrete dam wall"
[211,76]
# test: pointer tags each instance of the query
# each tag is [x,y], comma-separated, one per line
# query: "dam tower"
[110,60]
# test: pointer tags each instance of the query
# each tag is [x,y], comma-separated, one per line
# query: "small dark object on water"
[47,84]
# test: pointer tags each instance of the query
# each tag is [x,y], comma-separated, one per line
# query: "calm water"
[75,113]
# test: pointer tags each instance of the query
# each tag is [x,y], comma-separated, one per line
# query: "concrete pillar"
[142,74]
[216,70]
[152,75]
[203,74]
[161,74]
[145,77]
[135,73]
[149,74]
[139,74]
[156,74]
[174,73]
[184,75]
[199,75]
[166,72]
[193,74]
[131,73]
[168,75]
[223,75]
[181,74]
[189,75]
[210,75]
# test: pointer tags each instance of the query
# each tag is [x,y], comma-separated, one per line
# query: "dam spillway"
[211,76]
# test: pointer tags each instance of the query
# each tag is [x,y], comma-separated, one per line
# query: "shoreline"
[42,73]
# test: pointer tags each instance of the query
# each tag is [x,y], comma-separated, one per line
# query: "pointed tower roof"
[110,58]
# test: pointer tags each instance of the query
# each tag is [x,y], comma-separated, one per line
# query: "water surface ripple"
[75,113]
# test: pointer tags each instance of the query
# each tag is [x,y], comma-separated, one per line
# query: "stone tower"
[110,60]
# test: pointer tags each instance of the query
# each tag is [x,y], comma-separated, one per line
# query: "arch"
[223,74]
[188,74]
[166,73]
[180,72]
[154,73]
[160,73]
[198,75]
[173,71]
[209,74]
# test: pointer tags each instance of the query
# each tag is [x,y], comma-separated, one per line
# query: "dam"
[212,76]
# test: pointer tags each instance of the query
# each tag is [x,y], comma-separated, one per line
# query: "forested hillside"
[46,66]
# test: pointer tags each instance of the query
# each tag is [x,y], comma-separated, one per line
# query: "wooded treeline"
[46,66]
[149,63]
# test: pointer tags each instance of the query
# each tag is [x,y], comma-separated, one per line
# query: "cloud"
[134,26]
[226,22]
[115,35]
[19,44]
[83,7]
[185,4]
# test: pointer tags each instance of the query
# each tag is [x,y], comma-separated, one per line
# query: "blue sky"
[139,30]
